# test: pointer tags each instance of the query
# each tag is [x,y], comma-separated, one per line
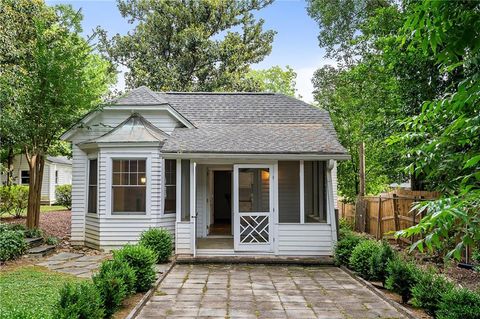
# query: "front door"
[253,207]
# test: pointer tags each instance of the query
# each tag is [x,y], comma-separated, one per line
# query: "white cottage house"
[57,171]
[226,173]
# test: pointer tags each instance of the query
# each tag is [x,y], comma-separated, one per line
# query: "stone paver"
[79,265]
[263,291]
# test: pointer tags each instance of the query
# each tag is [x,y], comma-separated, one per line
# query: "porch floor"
[215,243]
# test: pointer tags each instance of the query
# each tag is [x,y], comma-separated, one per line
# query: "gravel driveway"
[260,291]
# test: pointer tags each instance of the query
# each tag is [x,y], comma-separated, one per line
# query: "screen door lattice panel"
[254,229]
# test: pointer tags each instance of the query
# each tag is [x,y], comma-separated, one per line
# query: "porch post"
[302,192]
[193,205]
[330,204]
[178,190]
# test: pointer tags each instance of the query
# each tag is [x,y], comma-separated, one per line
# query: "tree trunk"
[36,163]
[10,157]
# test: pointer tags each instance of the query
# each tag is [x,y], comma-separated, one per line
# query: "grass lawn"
[53,208]
[30,292]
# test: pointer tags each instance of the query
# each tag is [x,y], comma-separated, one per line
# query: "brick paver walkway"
[260,291]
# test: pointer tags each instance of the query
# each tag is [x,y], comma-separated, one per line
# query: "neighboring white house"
[226,173]
[57,171]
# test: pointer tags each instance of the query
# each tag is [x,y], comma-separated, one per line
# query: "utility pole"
[360,207]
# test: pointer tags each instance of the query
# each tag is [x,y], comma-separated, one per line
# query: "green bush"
[459,304]
[362,256]
[63,194]
[51,240]
[476,259]
[142,260]
[380,261]
[12,244]
[428,291]
[114,281]
[14,200]
[345,246]
[33,233]
[79,301]
[160,241]
[402,277]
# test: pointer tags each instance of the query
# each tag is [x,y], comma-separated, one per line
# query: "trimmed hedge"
[142,260]
[63,195]
[402,277]
[80,301]
[362,256]
[428,291]
[459,304]
[345,246]
[160,241]
[12,244]
[380,260]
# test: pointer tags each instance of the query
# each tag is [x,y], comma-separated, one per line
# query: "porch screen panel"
[289,191]
[254,190]
[315,192]
[185,190]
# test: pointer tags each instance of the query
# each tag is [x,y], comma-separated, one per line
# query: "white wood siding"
[79,198]
[183,238]
[304,239]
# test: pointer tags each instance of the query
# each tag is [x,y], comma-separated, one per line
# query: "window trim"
[21,177]
[109,191]
[88,185]
[164,180]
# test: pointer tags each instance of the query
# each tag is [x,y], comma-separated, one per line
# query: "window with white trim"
[170,201]
[92,185]
[129,186]
[25,177]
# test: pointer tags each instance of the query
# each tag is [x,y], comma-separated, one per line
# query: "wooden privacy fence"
[382,215]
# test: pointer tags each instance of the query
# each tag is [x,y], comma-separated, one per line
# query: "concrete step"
[41,251]
[34,242]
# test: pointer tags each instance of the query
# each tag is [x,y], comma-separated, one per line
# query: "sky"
[295,43]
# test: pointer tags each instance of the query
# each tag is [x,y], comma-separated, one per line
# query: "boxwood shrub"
[380,261]
[80,300]
[459,303]
[142,260]
[429,290]
[160,241]
[362,256]
[402,277]
[345,246]
[12,244]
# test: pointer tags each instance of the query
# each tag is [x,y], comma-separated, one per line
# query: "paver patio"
[79,265]
[263,291]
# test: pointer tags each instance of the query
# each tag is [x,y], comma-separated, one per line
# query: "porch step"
[34,242]
[41,251]
[270,260]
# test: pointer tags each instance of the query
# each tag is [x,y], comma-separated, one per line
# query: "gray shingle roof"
[139,96]
[254,139]
[59,160]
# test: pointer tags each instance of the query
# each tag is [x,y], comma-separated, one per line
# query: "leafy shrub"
[476,259]
[115,281]
[63,194]
[142,260]
[428,291]
[380,261]
[402,277]
[459,304]
[33,233]
[160,241]
[51,240]
[80,300]
[362,256]
[14,200]
[12,244]
[345,246]
[18,227]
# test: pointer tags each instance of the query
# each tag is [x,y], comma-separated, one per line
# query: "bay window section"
[92,185]
[170,186]
[315,192]
[129,187]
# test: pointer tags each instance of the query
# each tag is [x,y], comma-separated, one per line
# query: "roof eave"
[279,156]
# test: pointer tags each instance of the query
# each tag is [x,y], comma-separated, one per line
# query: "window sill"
[131,216]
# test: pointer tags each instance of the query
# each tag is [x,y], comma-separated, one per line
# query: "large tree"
[274,79]
[49,79]
[189,45]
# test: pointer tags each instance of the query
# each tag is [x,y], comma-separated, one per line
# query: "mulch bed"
[52,223]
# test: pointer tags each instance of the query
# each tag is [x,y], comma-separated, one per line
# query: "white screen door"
[253,207]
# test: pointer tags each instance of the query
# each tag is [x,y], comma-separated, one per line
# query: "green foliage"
[51,240]
[30,292]
[345,246]
[459,304]
[114,282]
[362,256]
[345,226]
[402,277]
[81,300]
[12,244]
[274,80]
[200,45]
[63,194]
[429,290]
[380,262]
[14,200]
[160,241]
[33,233]
[142,260]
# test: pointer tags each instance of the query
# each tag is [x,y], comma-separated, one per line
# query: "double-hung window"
[129,186]
[92,185]
[25,177]
[170,186]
